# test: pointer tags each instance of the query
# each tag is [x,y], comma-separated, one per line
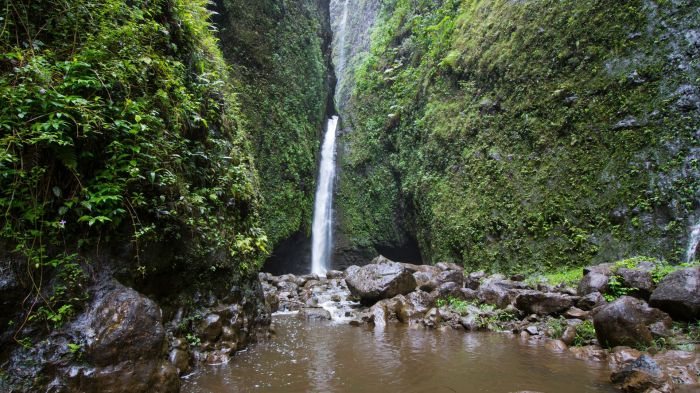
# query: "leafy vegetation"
[585,332]
[281,56]
[120,126]
[523,136]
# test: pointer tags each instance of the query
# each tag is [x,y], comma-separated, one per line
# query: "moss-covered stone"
[526,135]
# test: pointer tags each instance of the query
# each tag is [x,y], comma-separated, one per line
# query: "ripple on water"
[331,357]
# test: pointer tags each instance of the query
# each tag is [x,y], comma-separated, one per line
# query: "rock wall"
[157,167]
[524,135]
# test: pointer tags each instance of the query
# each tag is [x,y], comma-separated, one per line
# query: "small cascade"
[693,242]
[322,229]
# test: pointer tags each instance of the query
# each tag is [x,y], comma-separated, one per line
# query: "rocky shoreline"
[645,336]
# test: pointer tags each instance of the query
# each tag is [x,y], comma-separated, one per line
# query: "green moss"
[280,53]
[502,124]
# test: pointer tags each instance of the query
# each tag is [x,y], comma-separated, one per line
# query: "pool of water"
[333,357]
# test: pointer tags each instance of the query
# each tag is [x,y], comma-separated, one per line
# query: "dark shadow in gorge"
[292,255]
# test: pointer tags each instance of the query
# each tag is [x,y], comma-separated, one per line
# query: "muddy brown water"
[332,357]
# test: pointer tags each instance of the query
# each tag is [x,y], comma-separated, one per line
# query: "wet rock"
[419,302]
[447,266]
[589,353]
[451,276]
[541,303]
[628,321]
[603,268]
[517,277]
[425,281]
[556,345]
[576,313]
[591,301]
[447,290]
[180,360]
[433,318]
[688,98]
[334,274]
[679,294]
[124,349]
[314,314]
[640,280]
[532,330]
[621,356]
[468,294]
[473,280]
[593,282]
[569,335]
[210,327]
[498,292]
[640,376]
[377,281]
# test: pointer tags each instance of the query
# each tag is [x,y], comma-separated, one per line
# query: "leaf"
[57,191]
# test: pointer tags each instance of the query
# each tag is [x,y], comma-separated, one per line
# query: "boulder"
[377,281]
[124,347]
[640,280]
[642,375]
[473,280]
[454,276]
[498,291]
[628,321]
[679,294]
[210,327]
[331,274]
[591,301]
[542,303]
[314,314]
[593,282]
[425,280]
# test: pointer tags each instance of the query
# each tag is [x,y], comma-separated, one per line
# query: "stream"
[328,356]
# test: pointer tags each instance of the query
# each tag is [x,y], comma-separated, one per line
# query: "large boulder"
[542,303]
[499,292]
[124,345]
[638,279]
[679,294]
[377,281]
[628,321]
[593,282]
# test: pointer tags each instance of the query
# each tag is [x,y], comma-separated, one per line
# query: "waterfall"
[693,242]
[322,229]
[340,67]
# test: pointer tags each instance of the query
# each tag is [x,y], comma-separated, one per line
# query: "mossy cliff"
[281,50]
[138,145]
[525,135]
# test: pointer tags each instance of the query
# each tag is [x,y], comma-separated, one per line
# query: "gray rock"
[541,303]
[210,327]
[679,294]
[314,314]
[498,292]
[591,301]
[640,280]
[377,281]
[627,321]
[593,282]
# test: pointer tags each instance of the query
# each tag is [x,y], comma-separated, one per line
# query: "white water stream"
[693,242]
[322,229]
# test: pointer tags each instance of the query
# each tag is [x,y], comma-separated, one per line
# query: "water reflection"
[326,357]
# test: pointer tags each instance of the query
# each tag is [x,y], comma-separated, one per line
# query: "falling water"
[693,242]
[322,231]
[340,66]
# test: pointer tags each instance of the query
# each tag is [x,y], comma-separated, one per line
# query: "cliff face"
[282,52]
[145,163]
[524,135]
